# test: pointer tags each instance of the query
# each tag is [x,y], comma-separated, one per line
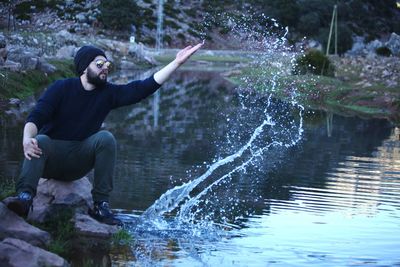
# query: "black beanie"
[84,56]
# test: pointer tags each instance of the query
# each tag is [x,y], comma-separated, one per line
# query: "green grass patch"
[166,58]
[62,231]
[315,91]
[7,187]
[23,84]
[122,237]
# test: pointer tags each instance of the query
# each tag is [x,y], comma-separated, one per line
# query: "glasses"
[101,63]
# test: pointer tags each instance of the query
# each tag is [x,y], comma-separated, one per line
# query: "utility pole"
[333,22]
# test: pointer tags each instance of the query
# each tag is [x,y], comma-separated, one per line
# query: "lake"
[312,189]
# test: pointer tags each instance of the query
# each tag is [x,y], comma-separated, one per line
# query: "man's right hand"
[31,148]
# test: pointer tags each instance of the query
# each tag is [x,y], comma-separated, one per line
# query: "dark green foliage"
[171,24]
[181,36]
[383,51]
[309,23]
[314,62]
[285,11]
[345,40]
[119,14]
[25,9]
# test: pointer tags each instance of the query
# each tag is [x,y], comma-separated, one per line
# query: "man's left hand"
[187,52]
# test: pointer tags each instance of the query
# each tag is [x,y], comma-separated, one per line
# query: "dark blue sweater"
[66,111]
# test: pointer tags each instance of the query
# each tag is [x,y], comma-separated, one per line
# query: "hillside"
[184,21]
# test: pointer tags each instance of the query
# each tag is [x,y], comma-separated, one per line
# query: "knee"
[106,138]
[43,141]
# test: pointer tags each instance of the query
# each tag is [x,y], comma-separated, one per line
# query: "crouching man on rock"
[62,139]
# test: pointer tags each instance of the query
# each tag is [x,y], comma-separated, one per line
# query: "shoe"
[102,213]
[21,204]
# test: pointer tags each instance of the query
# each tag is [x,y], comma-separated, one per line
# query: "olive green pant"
[71,160]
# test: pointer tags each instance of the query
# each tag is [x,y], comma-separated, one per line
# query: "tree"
[309,23]
[119,14]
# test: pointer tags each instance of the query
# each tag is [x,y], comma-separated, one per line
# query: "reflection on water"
[332,200]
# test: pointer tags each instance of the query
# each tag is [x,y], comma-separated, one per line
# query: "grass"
[321,92]
[62,231]
[208,58]
[122,237]
[23,84]
[7,188]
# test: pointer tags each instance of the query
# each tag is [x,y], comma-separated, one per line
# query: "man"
[62,139]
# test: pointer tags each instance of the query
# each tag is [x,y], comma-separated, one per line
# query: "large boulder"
[394,44]
[89,227]
[93,235]
[67,52]
[54,196]
[3,49]
[46,67]
[358,47]
[64,37]
[17,253]
[3,42]
[28,57]
[11,225]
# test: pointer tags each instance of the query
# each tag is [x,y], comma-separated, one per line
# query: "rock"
[26,56]
[46,67]
[3,53]
[14,101]
[313,44]
[88,227]
[15,252]
[394,44]
[3,42]
[64,37]
[54,196]
[12,66]
[66,52]
[11,225]
[127,65]
[109,56]
[358,47]
[81,17]
[386,74]
[93,235]
[373,45]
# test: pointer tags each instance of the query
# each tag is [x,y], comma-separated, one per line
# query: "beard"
[95,79]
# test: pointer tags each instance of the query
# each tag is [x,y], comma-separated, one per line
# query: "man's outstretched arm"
[162,75]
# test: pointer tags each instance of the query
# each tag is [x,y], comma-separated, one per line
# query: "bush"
[315,62]
[119,14]
[309,23]
[383,51]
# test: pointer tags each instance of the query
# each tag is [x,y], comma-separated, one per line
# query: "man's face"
[97,71]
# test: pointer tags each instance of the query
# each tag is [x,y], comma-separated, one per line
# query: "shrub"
[383,51]
[315,62]
[309,23]
[118,14]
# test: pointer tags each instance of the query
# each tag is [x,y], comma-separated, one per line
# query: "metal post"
[336,33]
[331,29]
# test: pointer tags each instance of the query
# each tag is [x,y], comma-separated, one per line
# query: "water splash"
[171,199]
[270,39]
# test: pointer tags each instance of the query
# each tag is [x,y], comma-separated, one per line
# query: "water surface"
[332,199]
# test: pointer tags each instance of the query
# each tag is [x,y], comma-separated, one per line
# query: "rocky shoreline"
[23,244]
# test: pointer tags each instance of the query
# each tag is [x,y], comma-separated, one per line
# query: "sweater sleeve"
[46,105]
[134,91]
